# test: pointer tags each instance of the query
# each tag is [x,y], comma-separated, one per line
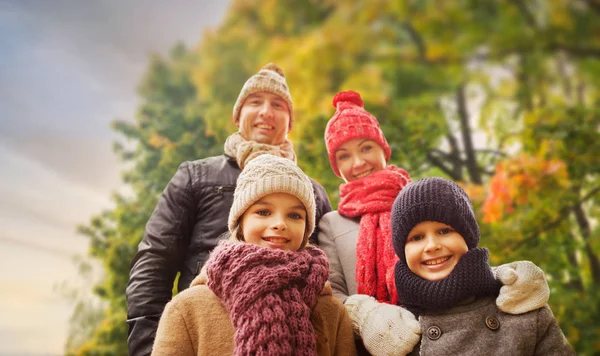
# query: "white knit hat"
[268,174]
[270,79]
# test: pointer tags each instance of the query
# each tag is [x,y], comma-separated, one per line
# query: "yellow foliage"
[158,141]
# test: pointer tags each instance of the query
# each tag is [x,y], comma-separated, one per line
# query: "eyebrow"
[299,206]
[360,143]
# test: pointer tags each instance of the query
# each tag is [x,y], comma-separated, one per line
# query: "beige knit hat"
[268,174]
[270,79]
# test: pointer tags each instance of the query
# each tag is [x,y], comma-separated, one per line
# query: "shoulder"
[339,223]
[192,297]
[215,169]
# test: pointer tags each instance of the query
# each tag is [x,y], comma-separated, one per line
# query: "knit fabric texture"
[384,329]
[270,79]
[371,198]
[244,151]
[471,277]
[269,294]
[268,174]
[433,199]
[351,121]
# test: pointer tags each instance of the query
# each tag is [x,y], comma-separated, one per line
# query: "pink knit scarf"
[372,198]
[269,294]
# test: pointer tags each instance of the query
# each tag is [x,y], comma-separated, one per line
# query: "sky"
[67,69]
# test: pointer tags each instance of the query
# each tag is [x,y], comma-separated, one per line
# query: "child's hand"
[384,328]
[524,287]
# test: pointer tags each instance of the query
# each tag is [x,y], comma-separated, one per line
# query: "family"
[263,265]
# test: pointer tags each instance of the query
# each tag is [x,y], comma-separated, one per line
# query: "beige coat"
[337,238]
[196,322]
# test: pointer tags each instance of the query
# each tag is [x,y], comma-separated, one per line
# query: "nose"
[266,110]
[278,223]
[432,243]
[357,161]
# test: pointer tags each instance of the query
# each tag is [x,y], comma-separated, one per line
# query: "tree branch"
[563,214]
[465,128]
[417,39]
[526,13]
[450,171]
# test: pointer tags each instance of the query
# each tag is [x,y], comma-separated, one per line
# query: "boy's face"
[433,249]
[276,221]
[264,118]
[358,158]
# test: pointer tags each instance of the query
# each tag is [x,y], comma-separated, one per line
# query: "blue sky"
[67,69]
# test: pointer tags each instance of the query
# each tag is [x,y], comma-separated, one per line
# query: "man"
[193,209]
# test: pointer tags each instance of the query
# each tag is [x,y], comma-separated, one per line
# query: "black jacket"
[185,226]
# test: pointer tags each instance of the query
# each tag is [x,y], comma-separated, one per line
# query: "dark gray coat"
[190,216]
[479,328]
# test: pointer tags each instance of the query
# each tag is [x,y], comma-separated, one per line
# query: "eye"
[366,148]
[414,238]
[445,231]
[296,216]
[263,212]
[342,156]
[255,101]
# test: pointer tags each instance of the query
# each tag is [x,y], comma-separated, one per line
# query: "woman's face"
[358,158]
[276,221]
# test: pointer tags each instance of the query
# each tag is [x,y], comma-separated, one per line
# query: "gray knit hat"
[270,79]
[268,174]
[433,199]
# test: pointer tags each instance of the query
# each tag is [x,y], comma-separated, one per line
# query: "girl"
[443,277]
[357,237]
[264,291]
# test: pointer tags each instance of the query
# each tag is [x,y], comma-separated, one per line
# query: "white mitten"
[524,287]
[385,329]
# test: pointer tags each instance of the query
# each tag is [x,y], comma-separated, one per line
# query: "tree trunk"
[465,129]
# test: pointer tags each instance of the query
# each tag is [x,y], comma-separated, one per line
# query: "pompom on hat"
[268,174]
[351,121]
[270,79]
[433,199]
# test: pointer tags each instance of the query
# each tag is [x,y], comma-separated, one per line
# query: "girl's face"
[433,249]
[358,158]
[276,221]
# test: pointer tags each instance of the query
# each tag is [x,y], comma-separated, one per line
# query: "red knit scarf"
[372,198]
[269,294]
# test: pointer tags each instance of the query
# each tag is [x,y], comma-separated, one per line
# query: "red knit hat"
[351,121]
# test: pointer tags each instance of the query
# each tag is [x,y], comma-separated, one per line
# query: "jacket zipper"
[221,189]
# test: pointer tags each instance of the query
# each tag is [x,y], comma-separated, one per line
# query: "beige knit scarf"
[244,151]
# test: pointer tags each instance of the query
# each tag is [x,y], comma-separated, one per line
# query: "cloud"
[67,69]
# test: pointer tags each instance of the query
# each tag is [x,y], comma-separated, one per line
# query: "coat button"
[434,332]
[492,322]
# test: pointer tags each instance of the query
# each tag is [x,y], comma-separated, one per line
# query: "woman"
[357,237]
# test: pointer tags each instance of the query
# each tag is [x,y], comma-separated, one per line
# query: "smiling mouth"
[275,239]
[363,174]
[265,127]
[437,261]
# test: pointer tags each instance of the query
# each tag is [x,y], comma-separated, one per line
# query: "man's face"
[264,118]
